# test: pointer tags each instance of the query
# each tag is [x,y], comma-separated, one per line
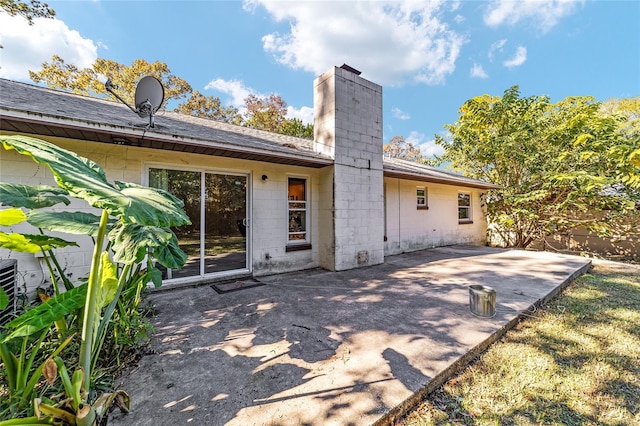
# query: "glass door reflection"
[216,240]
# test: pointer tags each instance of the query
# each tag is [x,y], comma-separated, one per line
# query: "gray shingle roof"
[37,110]
[395,167]
[54,108]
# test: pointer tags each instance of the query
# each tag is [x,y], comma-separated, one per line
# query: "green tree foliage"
[626,154]
[90,81]
[398,147]
[268,113]
[202,106]
[29,11]
[295,127]
[561,165]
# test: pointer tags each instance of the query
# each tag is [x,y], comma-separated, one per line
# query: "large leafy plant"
[132,227]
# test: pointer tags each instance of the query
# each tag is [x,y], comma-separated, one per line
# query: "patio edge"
[400,410]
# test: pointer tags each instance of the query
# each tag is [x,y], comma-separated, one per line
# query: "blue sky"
[429,56]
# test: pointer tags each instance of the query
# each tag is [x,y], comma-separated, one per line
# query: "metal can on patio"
[482,300]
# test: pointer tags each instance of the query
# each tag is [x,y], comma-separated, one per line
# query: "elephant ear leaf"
[32,243]
[80,223]
[108,282]
[81,177]
[47,313]
[170,255]
[10,217]
[131,242]
[31,197]
[155,276]
[152,206]
[86,180]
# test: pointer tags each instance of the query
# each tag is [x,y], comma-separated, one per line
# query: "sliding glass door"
[225,242]
[216,241]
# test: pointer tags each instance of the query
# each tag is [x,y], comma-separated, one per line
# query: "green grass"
[576,362]
[213,245]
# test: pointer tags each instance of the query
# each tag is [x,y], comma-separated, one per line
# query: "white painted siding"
[409,228]
[348,126]
[267,207]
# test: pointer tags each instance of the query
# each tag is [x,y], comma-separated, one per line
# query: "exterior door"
[225,223]
[216,240]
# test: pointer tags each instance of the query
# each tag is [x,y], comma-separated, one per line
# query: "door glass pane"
[225,222]
[186,186]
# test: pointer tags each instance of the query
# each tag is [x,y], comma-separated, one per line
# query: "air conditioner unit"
[9,283]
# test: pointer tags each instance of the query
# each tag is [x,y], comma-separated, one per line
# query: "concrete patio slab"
[315,347]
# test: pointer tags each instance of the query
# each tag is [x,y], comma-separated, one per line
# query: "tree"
[35,9]
[554,162]
[90,81]
[199,105]
[295,127]
[268,113]
[398,147]
[626,154]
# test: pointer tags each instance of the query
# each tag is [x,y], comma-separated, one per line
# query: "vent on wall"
[9,283]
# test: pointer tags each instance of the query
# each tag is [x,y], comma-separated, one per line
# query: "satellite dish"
[148,97]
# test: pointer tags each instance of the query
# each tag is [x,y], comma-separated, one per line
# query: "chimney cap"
[350,69]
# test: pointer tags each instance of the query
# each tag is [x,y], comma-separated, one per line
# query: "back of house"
[260,203]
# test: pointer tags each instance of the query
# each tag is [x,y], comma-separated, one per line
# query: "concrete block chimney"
[348,127]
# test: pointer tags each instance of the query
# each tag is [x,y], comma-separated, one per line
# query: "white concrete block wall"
[410,229]
[269,222]
[324,107]
[349,126]
[326,219]
[349,215]
[268,203]
[32,269]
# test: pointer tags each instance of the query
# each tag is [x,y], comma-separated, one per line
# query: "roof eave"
[444,181]
[46,125]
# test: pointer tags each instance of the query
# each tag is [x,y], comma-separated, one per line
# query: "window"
[298,211]
[464,207]
[421,198]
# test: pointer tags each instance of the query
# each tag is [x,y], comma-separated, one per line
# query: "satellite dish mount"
[148,97]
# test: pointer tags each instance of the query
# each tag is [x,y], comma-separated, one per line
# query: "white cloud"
[235,89]
[544,14]
[455,5]
[238,92]
[26,47]
[518,59]
[496,46]
[478,72]
[428,148]
[305,114]
[399,114]
[391,42]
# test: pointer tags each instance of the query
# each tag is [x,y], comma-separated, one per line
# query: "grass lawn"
[574,362]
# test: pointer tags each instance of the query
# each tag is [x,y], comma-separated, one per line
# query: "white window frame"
[422,201]
[469,218]
[204,170]
[307,202]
